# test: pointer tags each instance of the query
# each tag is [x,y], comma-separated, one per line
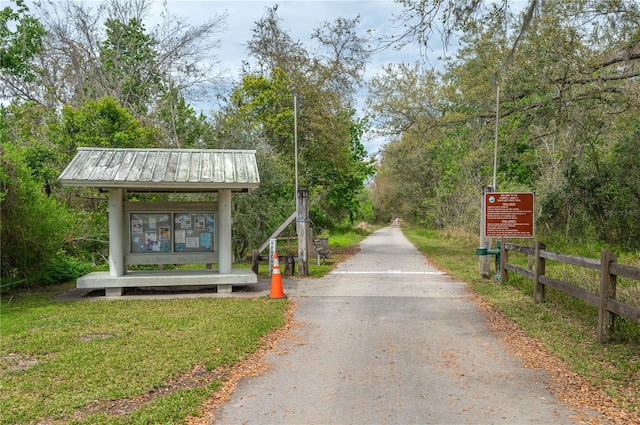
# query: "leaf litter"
[572,389]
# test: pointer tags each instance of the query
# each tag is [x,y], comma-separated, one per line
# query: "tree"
[33,225]
[566,101]
[232,128]
[342,64]
[180,125]
[103,123]
[128,65]
[404,97]
[41,221]
[421,20]
[96,77]
[92,52]
[20,41]
[330,157]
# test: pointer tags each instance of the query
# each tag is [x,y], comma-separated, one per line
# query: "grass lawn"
[157,360]
[565,326]
[68,361]
[83,362]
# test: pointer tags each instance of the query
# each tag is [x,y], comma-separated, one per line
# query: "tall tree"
[90,52]
[421,20]
[403,97]
[324,83]
[21,37]
[128,65]
[90,75]
[566,100]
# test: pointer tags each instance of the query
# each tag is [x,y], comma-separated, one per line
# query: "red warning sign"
[508,215]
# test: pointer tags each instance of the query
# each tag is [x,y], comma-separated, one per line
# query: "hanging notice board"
[170,232]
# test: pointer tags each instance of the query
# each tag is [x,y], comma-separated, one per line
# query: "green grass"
[58,358]
[566,326]
[348,236]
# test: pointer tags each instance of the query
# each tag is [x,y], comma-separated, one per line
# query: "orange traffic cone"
[276,279]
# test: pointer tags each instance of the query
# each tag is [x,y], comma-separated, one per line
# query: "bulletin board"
[150,232]
[194,232]
[171,232]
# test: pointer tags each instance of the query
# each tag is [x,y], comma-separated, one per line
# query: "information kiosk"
[166,232]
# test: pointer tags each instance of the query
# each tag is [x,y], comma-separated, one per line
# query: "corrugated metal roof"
[193,170]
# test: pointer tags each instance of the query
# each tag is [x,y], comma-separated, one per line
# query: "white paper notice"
[193,242]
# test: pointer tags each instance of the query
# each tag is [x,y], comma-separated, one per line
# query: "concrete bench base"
[113,285]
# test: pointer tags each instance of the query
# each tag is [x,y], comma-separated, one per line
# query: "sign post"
[273,248]
[485,261]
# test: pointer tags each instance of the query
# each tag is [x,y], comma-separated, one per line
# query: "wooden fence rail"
[608,306]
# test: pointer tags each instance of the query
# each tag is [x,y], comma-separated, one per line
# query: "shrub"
[32,226]
[63,268]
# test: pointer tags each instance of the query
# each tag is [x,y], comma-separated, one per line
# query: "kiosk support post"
[224,210]
[116,241]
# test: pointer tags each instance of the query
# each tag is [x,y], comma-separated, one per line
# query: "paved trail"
[388,339]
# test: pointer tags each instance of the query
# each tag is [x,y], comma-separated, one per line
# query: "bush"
[63,268]
[33,225]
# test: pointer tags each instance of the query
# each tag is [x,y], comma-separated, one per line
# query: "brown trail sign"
[508,215]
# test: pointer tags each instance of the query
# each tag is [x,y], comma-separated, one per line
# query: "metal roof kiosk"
[166,232]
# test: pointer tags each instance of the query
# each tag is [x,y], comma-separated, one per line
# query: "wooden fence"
[605,299]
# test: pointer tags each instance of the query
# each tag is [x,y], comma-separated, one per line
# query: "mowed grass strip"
[61,358]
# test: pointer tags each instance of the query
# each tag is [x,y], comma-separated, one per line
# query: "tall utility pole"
[495,144]
[302,205]
[485,242]
[484,265]
[295,145]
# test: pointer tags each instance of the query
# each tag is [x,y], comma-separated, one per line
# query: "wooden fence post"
[607,290]
[530,258]
[255,261]
[538,288]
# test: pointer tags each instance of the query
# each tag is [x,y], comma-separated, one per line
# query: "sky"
[299,18]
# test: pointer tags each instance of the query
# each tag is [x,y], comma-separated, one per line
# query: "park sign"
[508,215]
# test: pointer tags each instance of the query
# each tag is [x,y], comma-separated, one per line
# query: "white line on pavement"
[385,272]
